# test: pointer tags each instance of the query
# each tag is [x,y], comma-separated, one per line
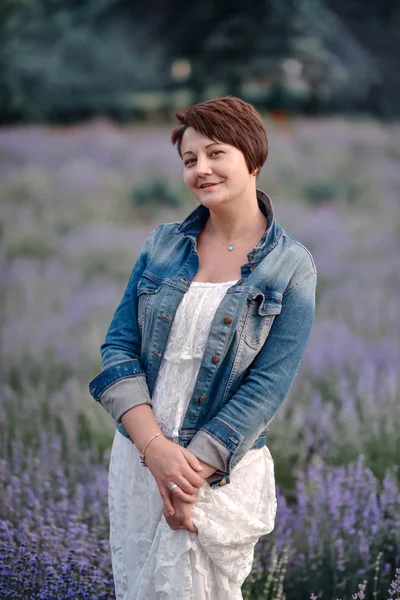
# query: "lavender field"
[69,235]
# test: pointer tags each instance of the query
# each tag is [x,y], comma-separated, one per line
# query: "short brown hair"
[229,120]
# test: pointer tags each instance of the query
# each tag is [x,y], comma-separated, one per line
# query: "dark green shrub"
[321,191]
[150,197]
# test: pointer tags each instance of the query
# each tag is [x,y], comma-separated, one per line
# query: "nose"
[203,166]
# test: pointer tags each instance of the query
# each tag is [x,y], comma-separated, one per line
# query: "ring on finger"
[173,486]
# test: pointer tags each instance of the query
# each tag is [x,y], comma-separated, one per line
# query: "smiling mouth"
[208,185]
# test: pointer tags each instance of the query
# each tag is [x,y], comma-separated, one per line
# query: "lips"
[209,186]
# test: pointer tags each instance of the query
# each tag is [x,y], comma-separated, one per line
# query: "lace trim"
[210,283]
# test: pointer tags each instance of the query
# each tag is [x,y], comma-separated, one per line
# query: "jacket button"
[215,359]
[222,482]
[240,280]
[202,398]
[228,320]
[252,268]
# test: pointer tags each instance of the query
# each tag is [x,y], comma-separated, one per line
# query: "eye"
[190,160]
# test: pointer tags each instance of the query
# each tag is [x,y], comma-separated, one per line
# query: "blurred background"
[88,96]
[63,60]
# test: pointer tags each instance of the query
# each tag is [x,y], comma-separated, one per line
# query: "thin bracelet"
[142,459]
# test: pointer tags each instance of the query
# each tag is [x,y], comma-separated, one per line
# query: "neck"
[236,220]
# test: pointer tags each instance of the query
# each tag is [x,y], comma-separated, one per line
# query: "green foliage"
[321,191]
[30,247]
[318,191]
[148,197]
[60,406]
[68,61]
[65,61]
[267,583]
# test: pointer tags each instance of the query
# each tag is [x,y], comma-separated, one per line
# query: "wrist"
[207,469]
[149,443]
[153,446]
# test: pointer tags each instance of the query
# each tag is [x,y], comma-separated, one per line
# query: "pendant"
[230,248]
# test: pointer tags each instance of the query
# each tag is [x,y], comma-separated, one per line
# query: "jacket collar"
[195,221]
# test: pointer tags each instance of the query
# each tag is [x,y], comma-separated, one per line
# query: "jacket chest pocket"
[147,290]
[261,312]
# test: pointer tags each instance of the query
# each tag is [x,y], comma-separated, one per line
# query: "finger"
[166,509]
[187,523]
[179,493]
[164,492]
[182,486]
[193,478]
[182,489]
[173,522]
[192,460]
[167,514]
[187,487]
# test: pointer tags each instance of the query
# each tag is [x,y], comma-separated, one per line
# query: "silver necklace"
[230,246]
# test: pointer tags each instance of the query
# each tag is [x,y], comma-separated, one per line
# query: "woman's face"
[209,162]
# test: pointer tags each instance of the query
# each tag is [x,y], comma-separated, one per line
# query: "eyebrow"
[190,152]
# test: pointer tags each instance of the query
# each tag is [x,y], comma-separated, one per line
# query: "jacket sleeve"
[122,383]
[225,439]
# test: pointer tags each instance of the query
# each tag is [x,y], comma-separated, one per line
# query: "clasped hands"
[182,517]
[170,463]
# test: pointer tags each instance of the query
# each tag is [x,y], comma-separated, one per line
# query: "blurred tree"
[71,60]
[335,66]
[221,39]
[376,25]
[348,49]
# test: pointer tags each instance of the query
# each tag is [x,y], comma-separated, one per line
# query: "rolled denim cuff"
[121,387]
[218,443]
[124,395]
[209,450]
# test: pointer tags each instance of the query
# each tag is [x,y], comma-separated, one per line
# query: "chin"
[213,202]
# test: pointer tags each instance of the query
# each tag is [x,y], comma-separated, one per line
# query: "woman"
[199,356]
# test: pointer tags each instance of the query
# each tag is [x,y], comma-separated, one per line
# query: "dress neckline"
[210,283]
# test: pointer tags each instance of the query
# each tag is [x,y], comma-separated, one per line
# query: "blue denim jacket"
[253,352]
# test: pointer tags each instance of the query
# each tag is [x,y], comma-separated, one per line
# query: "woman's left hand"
[183,512]
[172,521]
[182,519]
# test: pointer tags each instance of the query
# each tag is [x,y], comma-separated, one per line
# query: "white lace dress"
[150,560]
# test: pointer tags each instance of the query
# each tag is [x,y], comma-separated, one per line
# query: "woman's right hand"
[171,463]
